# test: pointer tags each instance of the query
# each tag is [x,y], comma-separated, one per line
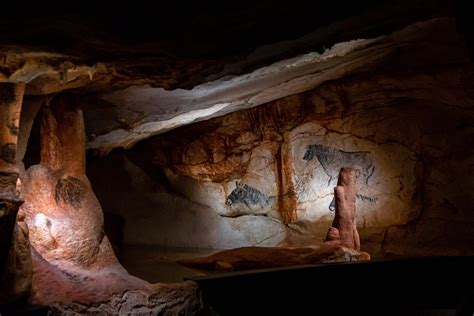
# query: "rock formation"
[343,230]
[15,262]
[72,258]
[73,261]
[248,258]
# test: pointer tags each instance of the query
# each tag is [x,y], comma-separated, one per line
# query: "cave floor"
[158,264]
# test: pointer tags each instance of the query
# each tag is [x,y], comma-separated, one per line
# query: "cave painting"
[70,190]
[248,195]
[342,241]
[333,160]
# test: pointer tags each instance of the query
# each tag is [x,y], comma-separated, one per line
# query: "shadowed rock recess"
[247,130]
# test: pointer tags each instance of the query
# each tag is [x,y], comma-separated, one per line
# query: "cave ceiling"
[138,73]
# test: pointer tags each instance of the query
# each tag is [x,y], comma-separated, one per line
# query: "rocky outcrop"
[97,52]
[131,99]
[141,112]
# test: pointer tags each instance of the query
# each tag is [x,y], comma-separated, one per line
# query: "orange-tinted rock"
[11,97]
[66,282]
[15,261]
[73,260]
[287,197]
[343,230]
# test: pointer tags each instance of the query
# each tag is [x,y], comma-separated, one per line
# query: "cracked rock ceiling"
[138,73]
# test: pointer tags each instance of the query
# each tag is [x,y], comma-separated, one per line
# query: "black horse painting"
[247,195]
[332,160]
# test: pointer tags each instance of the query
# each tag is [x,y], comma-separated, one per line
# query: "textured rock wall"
[156,215]
[265,175]
[15,260]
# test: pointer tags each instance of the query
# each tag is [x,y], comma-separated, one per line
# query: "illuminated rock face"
[236,180]
[254,171]
[74,265]
[72,257]
[342,242]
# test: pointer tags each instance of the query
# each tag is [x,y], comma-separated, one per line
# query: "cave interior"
[166,162]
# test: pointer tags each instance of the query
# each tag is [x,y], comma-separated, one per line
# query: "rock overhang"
[131,92]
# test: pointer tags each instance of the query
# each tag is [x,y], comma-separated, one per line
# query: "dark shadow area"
[416,286]
[21,309]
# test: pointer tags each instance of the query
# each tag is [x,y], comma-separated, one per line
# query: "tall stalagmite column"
[343,230]
[73,260]
[15,267]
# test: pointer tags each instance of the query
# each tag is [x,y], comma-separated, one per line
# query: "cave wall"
[265,175]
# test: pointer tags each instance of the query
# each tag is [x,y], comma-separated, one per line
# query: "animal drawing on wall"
[332,160]
[247,195]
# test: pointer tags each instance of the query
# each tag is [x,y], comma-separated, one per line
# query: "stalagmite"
[74,265]
[343,230]
[72,258]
